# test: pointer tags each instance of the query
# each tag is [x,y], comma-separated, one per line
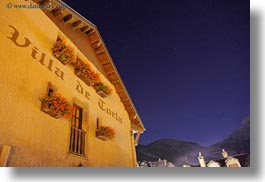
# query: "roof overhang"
[68,15]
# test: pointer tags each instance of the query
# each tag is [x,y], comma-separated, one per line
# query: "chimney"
[201,160]
[224,153]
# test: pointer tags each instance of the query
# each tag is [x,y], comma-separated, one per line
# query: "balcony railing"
[77,141]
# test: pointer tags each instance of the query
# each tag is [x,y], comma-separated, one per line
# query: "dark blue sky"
[185,63]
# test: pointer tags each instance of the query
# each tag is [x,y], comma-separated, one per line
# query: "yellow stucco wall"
[37,139]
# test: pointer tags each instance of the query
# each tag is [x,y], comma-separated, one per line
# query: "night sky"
[185,63]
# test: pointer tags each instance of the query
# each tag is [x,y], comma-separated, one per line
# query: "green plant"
[64,52]
[106,131]
[86,72]
[57,105]
[101,87]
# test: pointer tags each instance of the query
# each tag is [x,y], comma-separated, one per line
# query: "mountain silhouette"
[181,152]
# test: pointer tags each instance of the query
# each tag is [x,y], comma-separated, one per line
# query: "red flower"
[64,52]
[58,105]
[107,131]
[101,87]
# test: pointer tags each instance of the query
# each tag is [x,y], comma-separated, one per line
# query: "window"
[99,121]
[77,117]
[59,39]
[51,89]
[77,136]
[45,105]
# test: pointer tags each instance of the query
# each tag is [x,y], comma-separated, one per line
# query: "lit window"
[77,136]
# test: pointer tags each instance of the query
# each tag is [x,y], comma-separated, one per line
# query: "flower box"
[105,133]
[56,106]
[91,78]
[45,108]
[102,89]
[78,72]
[102,94]
[63,52]
[62,59]
[80,75]
[102,137]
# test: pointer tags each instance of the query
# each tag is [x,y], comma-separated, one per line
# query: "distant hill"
[178,152]
[238,141]
[170,149]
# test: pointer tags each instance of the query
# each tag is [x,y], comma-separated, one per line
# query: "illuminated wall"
[26,67]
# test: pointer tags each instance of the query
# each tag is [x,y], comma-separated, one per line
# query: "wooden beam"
[120,91]
[43,2]
[96,44]
[113,77]
[67,18]
[137,128]
[122,95]
[137,138]
[127,104]
[108,67]
[132,116]
[95,41]
[129,108]
[118,86]
[110,72]
[125,100]
[57,11]
[84,28]
[114,82]
[90,31]
[100,52]
[76,23]
[105,62]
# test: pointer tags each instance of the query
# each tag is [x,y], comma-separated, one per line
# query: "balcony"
[77,141]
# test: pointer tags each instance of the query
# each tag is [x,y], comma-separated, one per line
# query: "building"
[159,163]
[239,160]
[63,102]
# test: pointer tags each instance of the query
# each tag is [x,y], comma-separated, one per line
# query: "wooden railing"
[77,141]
